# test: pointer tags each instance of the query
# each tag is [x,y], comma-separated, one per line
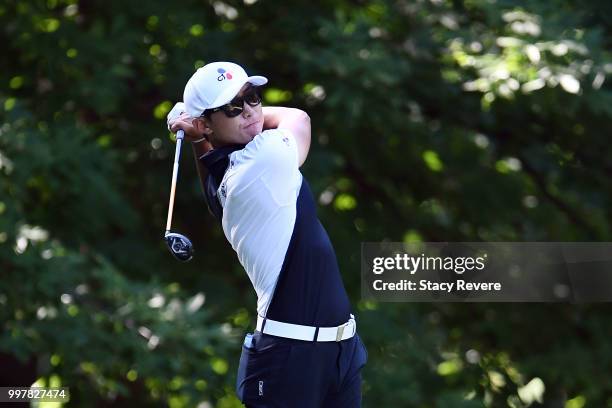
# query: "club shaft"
[177,155]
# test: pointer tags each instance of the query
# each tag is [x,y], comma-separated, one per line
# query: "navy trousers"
[276,372]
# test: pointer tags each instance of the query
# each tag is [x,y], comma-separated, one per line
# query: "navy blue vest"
[309,290]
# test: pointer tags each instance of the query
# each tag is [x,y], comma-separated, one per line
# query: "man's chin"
[251,134]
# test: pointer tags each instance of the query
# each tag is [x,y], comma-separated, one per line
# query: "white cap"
[214,85]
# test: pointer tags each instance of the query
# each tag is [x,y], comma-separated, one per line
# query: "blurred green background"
[438,120]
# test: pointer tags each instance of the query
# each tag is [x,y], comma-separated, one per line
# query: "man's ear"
[203,127]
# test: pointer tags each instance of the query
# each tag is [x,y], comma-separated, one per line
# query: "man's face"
[240,129]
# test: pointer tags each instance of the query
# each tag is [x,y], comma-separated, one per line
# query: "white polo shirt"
[258,194]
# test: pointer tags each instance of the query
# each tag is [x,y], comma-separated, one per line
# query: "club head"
[179,245]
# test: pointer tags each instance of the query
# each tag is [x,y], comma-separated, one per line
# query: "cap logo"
[224,74]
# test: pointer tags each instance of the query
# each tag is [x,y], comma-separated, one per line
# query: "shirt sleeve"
[274,161]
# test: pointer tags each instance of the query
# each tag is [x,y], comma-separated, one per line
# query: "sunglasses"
[235,107]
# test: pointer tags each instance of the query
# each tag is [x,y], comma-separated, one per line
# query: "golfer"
[305,351]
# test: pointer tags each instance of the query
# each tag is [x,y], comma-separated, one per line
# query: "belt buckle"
[341,331]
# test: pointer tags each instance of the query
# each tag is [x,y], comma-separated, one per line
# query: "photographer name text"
[413,264]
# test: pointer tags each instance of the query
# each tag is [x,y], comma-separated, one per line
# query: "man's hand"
[184,122]
[178,119]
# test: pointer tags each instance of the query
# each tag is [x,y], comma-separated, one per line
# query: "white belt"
[307,333]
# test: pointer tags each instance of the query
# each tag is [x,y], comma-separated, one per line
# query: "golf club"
[179,245]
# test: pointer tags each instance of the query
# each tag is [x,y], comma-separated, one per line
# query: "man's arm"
[200,147]
[295,120]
